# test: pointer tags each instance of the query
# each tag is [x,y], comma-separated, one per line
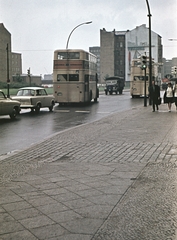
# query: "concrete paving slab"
[111,179]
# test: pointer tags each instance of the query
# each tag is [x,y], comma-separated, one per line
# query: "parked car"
[8,106]
[114,84]
[34,98]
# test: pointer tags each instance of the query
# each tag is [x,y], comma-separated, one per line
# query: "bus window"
[74,55]
[68,55]
[61,77]
[73,77]
[62,55]
[86,64]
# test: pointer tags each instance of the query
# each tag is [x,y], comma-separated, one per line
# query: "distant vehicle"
[137,83]
[114,84]
[75,76]
[8,106]
[34,98]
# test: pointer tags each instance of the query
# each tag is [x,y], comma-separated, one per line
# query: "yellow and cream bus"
[75,76]
[137,84]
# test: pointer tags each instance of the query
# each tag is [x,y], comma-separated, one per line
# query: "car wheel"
[51,108]
[37,108]
[13,114]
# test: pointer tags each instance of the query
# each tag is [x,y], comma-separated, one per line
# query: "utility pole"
[150,53]
[29,76]
[143,67]
[8,80]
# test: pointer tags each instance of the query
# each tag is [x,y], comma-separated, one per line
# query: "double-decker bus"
[75,76]
[137,81]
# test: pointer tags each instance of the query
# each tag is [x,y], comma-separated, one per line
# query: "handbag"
[159,100]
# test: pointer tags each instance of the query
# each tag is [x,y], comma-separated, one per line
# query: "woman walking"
[169,96]
[175,94]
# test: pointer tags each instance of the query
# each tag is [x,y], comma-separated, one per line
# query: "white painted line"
[82,111]
[103,112]
[62,111]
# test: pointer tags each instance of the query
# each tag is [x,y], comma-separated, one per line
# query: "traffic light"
[28,72]
[143,62]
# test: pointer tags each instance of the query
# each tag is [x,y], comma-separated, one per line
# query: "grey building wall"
[16,63]
[96,51]
[5,38]
[106,54]
[119,54]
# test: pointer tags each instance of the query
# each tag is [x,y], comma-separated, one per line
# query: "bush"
[16,85]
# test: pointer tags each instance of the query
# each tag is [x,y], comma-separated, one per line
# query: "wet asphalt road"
[29,128]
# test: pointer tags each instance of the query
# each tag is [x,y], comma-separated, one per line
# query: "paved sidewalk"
[115,178]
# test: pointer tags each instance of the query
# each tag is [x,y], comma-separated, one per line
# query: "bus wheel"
[90,96]
[106,92]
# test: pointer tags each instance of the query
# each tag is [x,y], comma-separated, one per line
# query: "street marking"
[82,111]
[103,112]
[62,111]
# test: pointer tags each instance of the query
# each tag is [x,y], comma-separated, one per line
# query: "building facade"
[96,52]
[168,66]
[16,64]
[119,48]
[5,54]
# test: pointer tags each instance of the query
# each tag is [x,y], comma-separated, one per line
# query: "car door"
[5,106]
[44,98]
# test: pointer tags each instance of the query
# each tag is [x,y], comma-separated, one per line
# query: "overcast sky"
[38,27]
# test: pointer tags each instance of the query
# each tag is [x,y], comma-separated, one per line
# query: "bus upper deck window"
[62,55]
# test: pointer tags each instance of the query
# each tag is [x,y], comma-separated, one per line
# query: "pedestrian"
[154,94]
[175,94]
[169,96]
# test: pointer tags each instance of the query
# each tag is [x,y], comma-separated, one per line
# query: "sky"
[38,27]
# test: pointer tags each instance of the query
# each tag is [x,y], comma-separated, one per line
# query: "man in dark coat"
[154,94]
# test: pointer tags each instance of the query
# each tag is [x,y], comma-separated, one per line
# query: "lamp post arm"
[148,8]
[73,31]
[150,51]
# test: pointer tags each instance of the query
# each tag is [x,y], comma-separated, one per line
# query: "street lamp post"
[150,55]
[73,31]
[8,80]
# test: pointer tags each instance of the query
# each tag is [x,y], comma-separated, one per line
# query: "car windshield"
[111,82]
[2,95]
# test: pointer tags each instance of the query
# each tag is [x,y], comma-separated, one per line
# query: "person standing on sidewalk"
[154,94]
[169,96]
[175,94]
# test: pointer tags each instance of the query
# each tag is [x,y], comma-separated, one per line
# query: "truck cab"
[114,85]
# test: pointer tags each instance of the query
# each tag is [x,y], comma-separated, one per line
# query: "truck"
[114,84]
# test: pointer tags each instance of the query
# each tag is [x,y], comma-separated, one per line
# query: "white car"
[8,106]
[34,98]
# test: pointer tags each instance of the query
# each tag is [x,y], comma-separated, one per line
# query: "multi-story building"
[5,54]
[119,48]
[96,52]
[16,64]
[167,68]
